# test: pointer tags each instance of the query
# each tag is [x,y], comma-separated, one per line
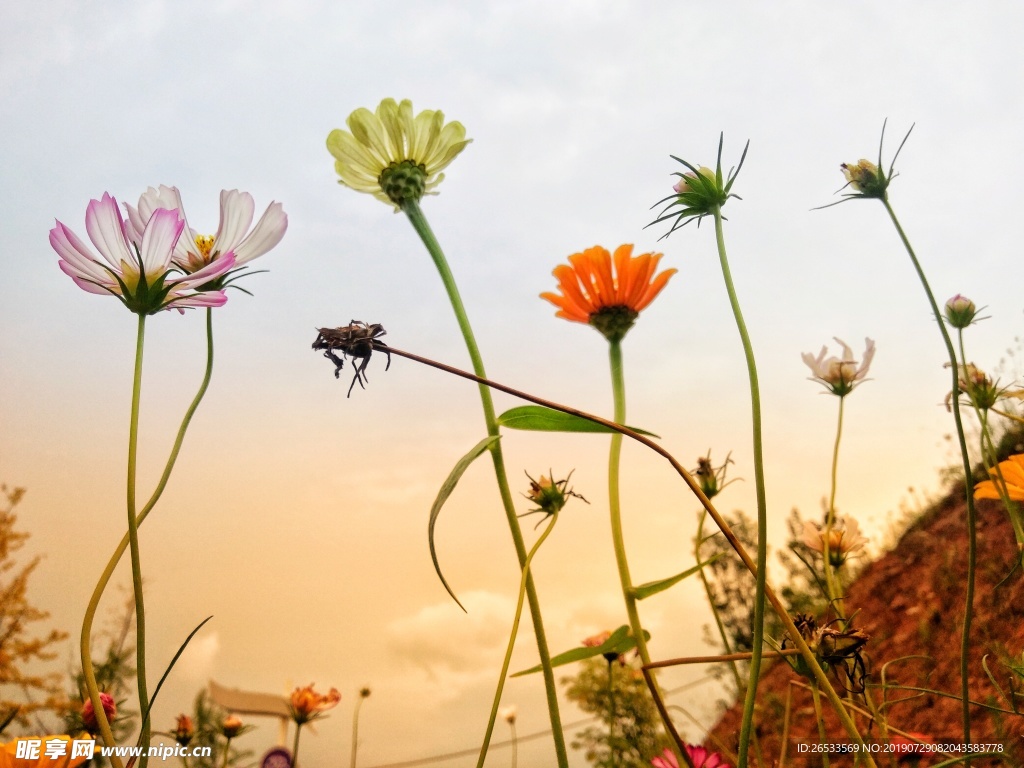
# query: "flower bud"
[231,726]
[509,714]
[550,495]
[960,311]
[865,178]
[683,185]
[184,730]
[89,713]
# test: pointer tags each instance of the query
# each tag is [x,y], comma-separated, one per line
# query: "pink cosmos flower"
[138,269]
[701,757]
[194,251]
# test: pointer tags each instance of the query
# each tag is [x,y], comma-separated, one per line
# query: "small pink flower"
[701,758]
[138,268]
[89,713]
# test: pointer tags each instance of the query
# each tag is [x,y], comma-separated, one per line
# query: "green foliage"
[637,732]
[207,718]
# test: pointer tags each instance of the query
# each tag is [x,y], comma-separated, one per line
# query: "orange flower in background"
[1013,476]
[306,704]
[606,291]
[184,730]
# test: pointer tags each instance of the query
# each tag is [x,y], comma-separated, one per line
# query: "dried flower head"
[306,704]
[843,539]
[607,292]
[838,650]
[711,479]
[393,155]
[840,375]
[868,179]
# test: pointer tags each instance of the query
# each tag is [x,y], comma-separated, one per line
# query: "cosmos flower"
[194,252]
[184,730]
[840,375]
[138,269]
[960,311]
[607,295]
[1012,471]
[701,757]
[843,540]
[393,155]
[306,704]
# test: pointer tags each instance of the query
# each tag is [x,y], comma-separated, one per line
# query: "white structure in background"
[247,703]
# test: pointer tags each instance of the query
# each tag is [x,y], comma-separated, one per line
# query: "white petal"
[76,255]
[158,241]
[105,226]
[268,232]
[236,212]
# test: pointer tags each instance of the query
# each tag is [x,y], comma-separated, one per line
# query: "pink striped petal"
[158,241]
[105,226]
[236,212]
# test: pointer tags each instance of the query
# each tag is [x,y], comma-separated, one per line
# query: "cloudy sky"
[297,517]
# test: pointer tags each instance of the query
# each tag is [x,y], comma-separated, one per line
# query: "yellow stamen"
[205,245]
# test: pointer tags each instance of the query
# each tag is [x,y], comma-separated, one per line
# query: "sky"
[296,517]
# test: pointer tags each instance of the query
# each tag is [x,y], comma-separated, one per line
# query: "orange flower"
[607,297]
[184,731]
[306,704]
[1013,475]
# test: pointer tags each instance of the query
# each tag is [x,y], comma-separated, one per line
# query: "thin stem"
[787,622]
[88,671]
[611,707]
[972,544]
[830,521]
[295,746]
[784,747]
[355,730]
[746,727]
[515,744]
[816,697]
[133,540]
[422,227]
[512,640]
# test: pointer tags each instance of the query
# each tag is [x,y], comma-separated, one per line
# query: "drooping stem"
[780,609]
[88,670]
[972,545]
[422,227]
[749,702]
[834,597]
[512,640]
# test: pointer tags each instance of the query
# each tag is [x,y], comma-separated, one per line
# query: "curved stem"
[830,520]
[88,670]
[512,640]
[972,544]
[422,227]
[787,622]
[746,728]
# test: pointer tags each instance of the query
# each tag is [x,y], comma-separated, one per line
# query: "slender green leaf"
[541,419]
[654,587]
[620,642]
[442,496]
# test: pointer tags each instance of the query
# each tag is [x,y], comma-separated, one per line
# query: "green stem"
[422,227]
[88,670]
[227,751]
[512,641]
[816,697]
[133,540]
[611,713]
[295,746]
[355,731]
[972,546]
[746,728]
[830,521]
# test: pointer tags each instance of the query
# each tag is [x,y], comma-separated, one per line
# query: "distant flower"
[843,540]
[184,730]
[138,269]
[55,751]
[550,495]
[606,296]
[393,155]
[509,714]
[711,479]
[89,713]
[231,726]
[840,375]
[596,641]
[701,757]
[982,391]
[364,693]
[1012,471]
[960,311]
[194,252]
[864,177]
[306,704]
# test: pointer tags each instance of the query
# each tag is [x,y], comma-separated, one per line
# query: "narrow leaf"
[442,496]
[654,587]
[620,642]
[541,419]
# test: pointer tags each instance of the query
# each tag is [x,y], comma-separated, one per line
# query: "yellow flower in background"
[1012,471]
[843,539]
[393,155]
[607,294]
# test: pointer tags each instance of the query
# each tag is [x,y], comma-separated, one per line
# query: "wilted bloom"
[393,155]
[88,713]
[960,311]
[975,383]
[41,752]
[865,177]
[184,730]
[843,540]
[701,757]
[710,478]
[509,713]
[840,375]
[139,269]
[306,704]
[231,726]
[1012,471]
[606,296]
[194,252]
[549,495]
[836,649]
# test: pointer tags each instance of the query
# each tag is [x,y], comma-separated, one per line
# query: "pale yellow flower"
[843,540]
[393,155]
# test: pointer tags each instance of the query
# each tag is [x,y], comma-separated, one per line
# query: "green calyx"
[403,181]
[614,322]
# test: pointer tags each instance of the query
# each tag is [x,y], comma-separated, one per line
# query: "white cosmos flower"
[195,251]
[843,540]
[840,375]
[138,266]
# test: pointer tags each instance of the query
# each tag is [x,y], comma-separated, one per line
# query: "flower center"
[402,181]
[205,245]
[614,322]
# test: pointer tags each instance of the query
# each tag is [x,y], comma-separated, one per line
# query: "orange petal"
[567,308]
[604,282]
[623,271]
[655,288]
[569,284]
